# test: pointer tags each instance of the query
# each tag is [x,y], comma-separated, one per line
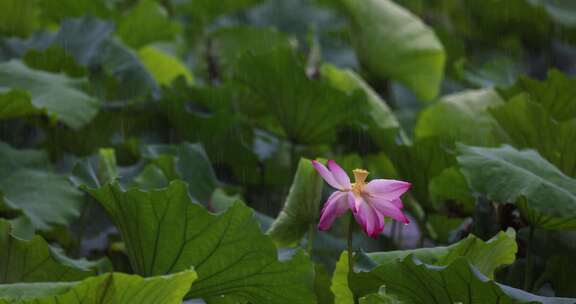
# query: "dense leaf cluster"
[158,151]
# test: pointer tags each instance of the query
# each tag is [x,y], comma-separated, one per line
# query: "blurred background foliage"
[472,101]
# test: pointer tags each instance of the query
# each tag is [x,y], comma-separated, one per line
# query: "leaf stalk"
[351,255]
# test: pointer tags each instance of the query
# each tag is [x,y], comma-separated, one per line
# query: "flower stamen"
[359,180]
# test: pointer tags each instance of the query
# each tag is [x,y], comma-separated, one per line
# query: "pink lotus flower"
[369,202]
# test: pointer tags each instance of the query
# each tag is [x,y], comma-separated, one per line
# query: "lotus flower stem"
[393,231]
[351,253]
[400,238]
